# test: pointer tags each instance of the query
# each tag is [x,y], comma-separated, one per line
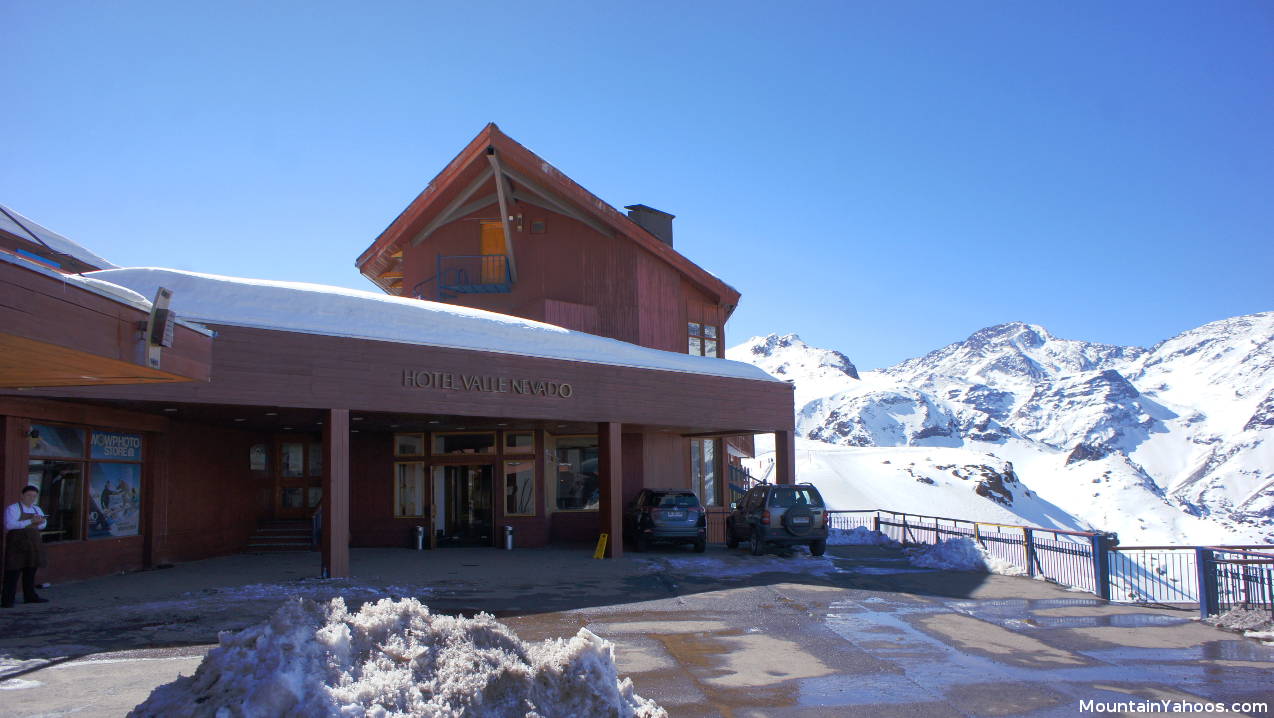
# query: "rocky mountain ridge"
[1151,440]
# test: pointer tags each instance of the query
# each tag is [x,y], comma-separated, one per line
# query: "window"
[577,487]
[292,461]
[90,481]
[703,470]
[519,442]
[464,443]
[702,339]
[409,489]
[519,488]
[409,444]
[60,484]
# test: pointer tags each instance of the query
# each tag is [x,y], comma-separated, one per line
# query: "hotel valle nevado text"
[425,379]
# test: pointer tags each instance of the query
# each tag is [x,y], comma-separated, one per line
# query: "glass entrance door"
[462,505]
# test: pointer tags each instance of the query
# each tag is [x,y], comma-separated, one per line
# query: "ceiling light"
[287,428]
[240,419]
[272,413]
[357,418]
[435,421]
[170,409]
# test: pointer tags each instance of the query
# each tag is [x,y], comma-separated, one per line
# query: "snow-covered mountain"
[1169,444]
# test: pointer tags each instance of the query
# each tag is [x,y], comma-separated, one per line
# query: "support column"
[785,457]
[610,484]
[335,541]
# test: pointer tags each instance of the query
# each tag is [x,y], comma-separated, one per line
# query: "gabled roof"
[529,179]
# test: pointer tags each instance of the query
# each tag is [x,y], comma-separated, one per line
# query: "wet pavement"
[856,633]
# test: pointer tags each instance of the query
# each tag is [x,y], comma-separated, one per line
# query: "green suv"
[780,515]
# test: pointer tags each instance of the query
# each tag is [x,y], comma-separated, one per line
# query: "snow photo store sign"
[424,379]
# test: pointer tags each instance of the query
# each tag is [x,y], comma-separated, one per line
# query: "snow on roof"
[16,224]
[336,311]
[102,288]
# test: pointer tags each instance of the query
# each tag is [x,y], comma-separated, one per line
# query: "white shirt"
[11,514]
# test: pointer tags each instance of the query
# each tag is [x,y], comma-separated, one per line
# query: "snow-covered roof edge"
[102,288]
[356,314]
[22,226]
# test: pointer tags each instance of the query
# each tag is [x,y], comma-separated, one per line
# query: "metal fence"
[1231,576]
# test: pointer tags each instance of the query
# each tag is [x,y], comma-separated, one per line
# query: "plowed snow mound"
[395,658]
[960,554]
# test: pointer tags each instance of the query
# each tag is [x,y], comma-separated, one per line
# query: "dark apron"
[24,547]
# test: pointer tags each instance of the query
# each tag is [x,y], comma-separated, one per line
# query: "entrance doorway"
[462,505]
[298,484]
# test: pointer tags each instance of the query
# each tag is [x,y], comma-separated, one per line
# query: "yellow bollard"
[601,546]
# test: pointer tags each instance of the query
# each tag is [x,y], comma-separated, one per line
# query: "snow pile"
[395,658]
[1253,622]
[859,536]
[961,554]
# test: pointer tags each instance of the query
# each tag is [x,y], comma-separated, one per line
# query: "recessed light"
[356,418]
[459,428]
[240,419]
[501,424]
[561,426]
[353,431]
[272,413]
[287,428]
[393,426]
[319,423]
[170,409]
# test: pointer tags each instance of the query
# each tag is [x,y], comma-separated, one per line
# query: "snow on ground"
[1254,623]
[944,481]
[395,658]
[336,311]
[924,480]
[960,554]
[859,536]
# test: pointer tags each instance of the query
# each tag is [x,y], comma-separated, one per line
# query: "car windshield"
[795,496]
[668,501]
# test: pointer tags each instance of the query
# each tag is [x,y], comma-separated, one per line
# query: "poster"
[55,441]
[115,500]
[258,459]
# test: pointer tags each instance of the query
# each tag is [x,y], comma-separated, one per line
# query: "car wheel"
[818,548]
[641,543]
[700,546]
[731,541]
[757,547]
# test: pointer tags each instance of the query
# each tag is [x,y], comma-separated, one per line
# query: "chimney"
[653,221]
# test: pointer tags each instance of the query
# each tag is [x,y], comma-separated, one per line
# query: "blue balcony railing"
[467,274]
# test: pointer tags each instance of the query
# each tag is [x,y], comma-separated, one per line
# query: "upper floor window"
[702,339]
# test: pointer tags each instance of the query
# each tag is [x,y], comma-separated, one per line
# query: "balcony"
[467,274]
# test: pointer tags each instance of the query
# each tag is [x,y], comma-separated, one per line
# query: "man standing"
[24,552]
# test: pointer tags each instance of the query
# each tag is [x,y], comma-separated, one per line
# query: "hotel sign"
[425,379]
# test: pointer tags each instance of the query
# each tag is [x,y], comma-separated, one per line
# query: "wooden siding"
[257,367]
[53,332]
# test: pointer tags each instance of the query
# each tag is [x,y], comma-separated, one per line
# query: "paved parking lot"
[858,632]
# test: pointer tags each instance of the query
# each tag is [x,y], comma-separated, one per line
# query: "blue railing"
[466,274]
[1231,577]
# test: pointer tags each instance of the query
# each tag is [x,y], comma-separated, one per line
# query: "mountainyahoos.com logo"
[1166,706]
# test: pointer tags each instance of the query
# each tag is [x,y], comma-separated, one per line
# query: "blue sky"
[881,178]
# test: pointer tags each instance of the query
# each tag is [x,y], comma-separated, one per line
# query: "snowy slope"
[1164,445]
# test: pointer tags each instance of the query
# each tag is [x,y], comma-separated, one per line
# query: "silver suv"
[779,514]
